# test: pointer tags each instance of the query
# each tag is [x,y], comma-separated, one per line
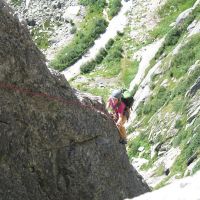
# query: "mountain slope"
[166,112]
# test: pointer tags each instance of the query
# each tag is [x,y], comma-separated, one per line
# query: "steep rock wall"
[54,143]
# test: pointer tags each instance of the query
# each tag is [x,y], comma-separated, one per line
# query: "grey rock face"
[54,144]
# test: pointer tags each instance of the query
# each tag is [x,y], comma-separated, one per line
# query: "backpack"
[127,98]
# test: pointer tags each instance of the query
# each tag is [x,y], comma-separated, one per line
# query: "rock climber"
[117,110]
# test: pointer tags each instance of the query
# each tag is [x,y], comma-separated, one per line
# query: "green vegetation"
[160,170]
[114,7]
[94,5]
[40,35]
[172,98]
[168,14]
[179,104]
[80,44]
[148,165]
[179,123]
[129,70]
[109,59]
[154,103]
[41,38]
[92,26]
[140,140]
[174,35]
[180,64]
[89,66]
[186,57]
[162,183]
[191,134]
[17,2]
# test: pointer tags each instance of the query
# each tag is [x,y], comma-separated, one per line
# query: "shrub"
[115,54]
[88,67]
[179,124]
[114,7]
[109,44]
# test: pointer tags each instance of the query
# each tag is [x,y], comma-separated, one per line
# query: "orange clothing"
[121,128]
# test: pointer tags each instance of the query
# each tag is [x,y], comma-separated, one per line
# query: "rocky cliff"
[54,142]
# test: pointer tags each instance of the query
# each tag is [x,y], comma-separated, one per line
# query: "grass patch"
[179,104]
[154,103]
[168,14]
[129,70]
[149,165]
[140,140]
[160,170]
